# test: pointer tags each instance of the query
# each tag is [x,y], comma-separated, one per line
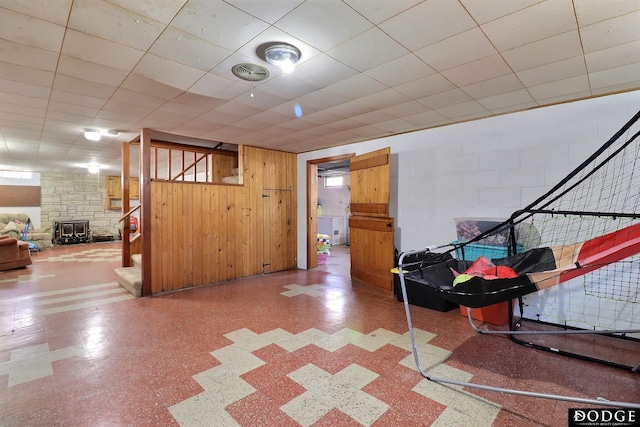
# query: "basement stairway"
[130,278]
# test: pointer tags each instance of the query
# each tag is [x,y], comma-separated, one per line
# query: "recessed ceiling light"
[93,168]
[282,55]
[92,134]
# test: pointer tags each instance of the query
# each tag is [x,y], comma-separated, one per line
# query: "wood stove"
[71,231]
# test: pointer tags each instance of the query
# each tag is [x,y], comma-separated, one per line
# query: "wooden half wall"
[203,233]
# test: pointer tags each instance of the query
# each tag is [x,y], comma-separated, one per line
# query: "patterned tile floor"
[295,348]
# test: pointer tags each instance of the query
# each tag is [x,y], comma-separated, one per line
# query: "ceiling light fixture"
[282,55]
[92,134]
[93,168]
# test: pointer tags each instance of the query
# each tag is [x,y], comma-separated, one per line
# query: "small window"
[333,181]
[18,175]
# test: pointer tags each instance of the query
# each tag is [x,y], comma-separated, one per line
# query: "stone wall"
[70,196]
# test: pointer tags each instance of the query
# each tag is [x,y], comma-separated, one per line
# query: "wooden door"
[312,215]
[278,244]
[371,230]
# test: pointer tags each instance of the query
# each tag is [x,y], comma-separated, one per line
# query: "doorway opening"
[328,206]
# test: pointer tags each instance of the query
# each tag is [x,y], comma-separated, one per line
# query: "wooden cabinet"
[114,191]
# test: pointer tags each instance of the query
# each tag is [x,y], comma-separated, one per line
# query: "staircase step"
[137,260]
[130,278]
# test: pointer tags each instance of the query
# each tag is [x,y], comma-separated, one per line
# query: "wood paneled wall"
[204,233]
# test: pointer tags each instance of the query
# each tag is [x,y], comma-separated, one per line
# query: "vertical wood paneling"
[209,233]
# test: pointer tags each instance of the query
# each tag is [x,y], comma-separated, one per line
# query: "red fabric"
[483,267]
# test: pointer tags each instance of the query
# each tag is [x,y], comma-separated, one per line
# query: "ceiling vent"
[250,72]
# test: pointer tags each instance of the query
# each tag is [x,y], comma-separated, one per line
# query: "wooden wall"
[204,233]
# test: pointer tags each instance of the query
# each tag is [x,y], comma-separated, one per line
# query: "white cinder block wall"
[483,168]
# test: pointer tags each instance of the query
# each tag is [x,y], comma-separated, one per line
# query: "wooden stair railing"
[130,245]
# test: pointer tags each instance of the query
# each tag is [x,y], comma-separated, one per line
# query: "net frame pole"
[426,375]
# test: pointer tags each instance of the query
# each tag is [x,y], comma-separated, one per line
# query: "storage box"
[473,251]
[418,293]
[468,228]
[322,258]
[496,314]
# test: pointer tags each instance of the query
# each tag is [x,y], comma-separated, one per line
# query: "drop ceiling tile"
[217,87]
[444,99]
[373,117]
[400,70]
[99,51]
[321,117]
[459,49]
[99,18]
[484,11]
[437,20]
[25,89]
[505,100]
[345,124]
[368,50]
[219,118]
[426,119]
[322,70]
[272,117]
[140,84]
[266,11]
[77,99]
[477,71]
[323,24]
[89,71]
[392,126]
[27,101]
[168,72]
[464,111]
[383,99]
[566,97]
[23,74]
[56,11]
[18,118]
[591,11]
[425,86]
[495,86]
[406,109]
[164,120]
[218,22]
[377,11]
[30,31]
[83,87]
[237,109]
[126,109]
[183,109]
[321,98]
[349,109]
[118,119]
[368,132]
[545,51]
[357,86]
[559,70]
[72,109]
[28,56]
[128,97]
[80,120]
[534,23]
[260,99]
[626,54]
[572,85]
[612,32]
[288,86]
[21,109]
[622,78]
[176,45]
[163,11]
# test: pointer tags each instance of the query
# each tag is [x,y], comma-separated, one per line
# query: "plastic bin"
[496,314]
[473,251]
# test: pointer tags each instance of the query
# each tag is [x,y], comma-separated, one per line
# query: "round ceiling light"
[282,55]
[92,134]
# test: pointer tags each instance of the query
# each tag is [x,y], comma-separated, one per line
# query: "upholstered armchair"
[14,253]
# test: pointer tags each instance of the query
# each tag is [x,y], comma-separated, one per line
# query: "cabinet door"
[134,188]
[114,189]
